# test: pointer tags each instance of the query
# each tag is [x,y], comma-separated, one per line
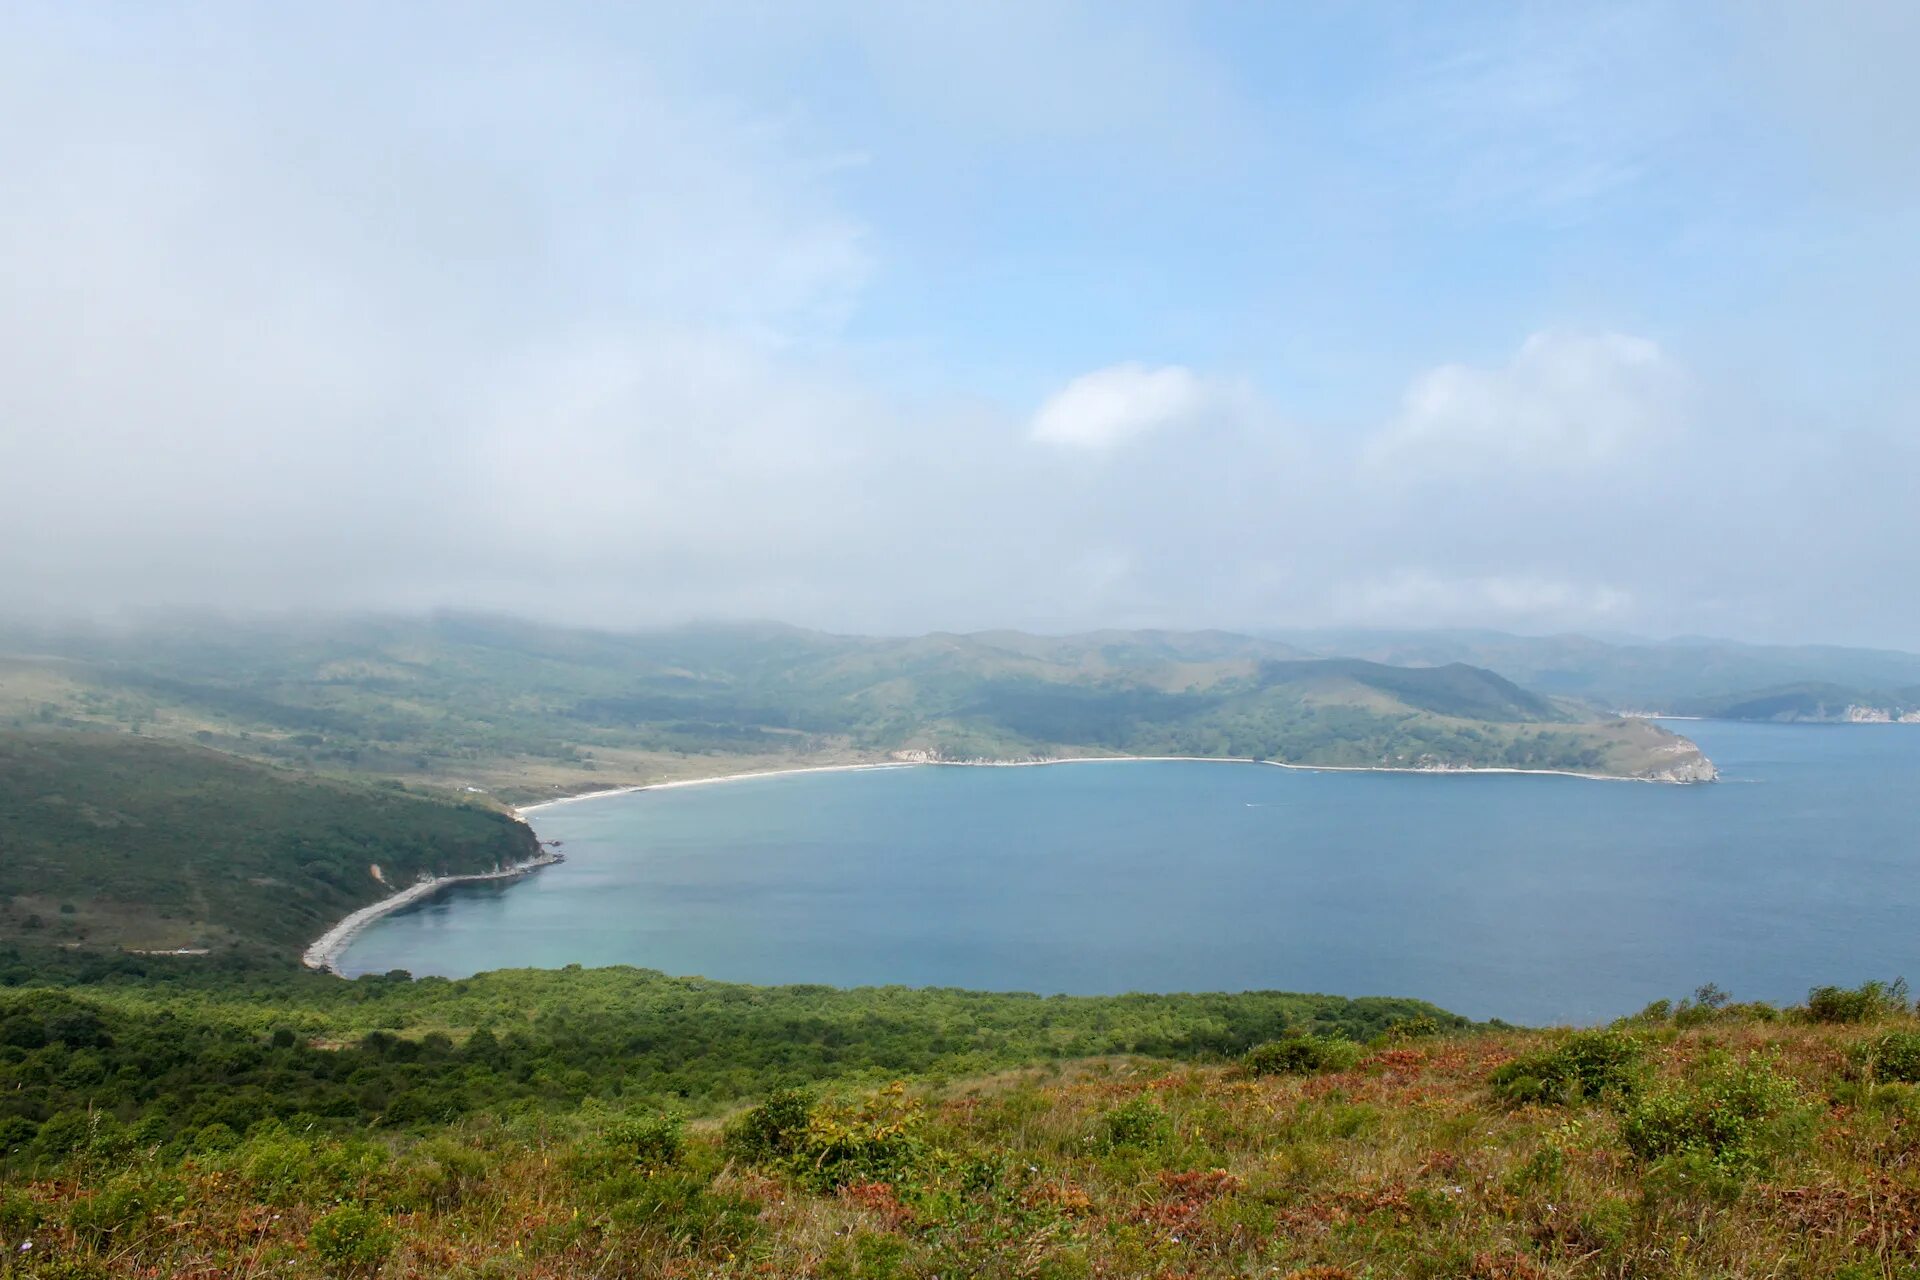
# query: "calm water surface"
[1528,898]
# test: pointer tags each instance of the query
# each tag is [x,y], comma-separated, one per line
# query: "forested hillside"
[111,840]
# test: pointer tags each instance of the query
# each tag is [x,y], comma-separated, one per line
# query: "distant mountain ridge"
[525,709]
[1813,702]
[1687,676]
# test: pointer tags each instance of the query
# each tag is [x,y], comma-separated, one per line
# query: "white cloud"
[1420,597]
[1109,407]
[593,318]
[1565,402]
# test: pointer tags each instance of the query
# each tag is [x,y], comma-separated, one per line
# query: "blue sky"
[901,317]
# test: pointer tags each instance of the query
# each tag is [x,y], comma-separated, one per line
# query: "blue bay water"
[1535,899]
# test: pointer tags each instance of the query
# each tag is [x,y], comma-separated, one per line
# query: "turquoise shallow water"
[1534,899]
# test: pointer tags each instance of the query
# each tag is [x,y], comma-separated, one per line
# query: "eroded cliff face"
[1881,715]
[1692,766]
[1657,754]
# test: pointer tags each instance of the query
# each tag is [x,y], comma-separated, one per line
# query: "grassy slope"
[531,711]
[1732,1146]
[114,840]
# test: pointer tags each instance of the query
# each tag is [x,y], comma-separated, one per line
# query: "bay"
[1534,899]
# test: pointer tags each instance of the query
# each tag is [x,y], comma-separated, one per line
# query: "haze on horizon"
[899,318]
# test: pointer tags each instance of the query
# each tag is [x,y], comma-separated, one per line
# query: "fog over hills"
[1689,676]
[883,320]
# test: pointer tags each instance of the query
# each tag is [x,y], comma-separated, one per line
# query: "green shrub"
[1139,1123]
[1734,1119]
[1418,1028]
[1300,1055]
[16,1132]
[439,1173]
[19,1215]
[65,1133]
[351,1239]
[283,1168]
[876,1141]
[116,1212]
[1584,1065]
[828,1146]
[1868,1002]
[1544,1170]
[651,1141]
[1892,1056]
[775,1129]
[215,1137]
[1708,1004]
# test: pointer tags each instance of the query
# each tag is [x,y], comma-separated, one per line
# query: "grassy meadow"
[1700,1140]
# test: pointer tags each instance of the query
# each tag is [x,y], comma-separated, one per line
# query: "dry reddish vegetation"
[1414,1162]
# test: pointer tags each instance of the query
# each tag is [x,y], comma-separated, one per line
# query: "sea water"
[1534,899]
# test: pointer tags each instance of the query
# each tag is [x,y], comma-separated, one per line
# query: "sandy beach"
[523,810]
[327,949]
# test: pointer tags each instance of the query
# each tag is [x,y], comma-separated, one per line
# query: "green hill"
[529,711]
[1816,702]
[1687,676]
[111,840]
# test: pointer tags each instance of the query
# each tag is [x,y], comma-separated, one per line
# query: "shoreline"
[324,955]
[520,811]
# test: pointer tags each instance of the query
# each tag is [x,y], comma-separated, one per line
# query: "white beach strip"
[869,766]
[1024,764]
[326,951]
[524,810]
[1305,768]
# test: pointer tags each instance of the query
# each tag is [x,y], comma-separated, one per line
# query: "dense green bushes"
[1892,1056]
[1733,1118]
[1717,1123]
[1869,1002]
[1139,1124]
[195,1064]
[830,1144]
[352,1239]
[1584,1065]
[1301,1055]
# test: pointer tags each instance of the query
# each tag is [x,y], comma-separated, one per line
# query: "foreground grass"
[1719,1143]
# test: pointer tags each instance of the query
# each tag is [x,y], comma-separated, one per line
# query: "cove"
[1534,899]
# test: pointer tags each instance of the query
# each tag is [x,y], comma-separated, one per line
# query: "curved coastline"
[325,953]
[604,792]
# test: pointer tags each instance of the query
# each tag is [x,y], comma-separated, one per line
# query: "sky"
[893,318]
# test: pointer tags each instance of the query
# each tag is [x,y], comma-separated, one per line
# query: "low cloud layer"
[627,324]
[1565,402]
